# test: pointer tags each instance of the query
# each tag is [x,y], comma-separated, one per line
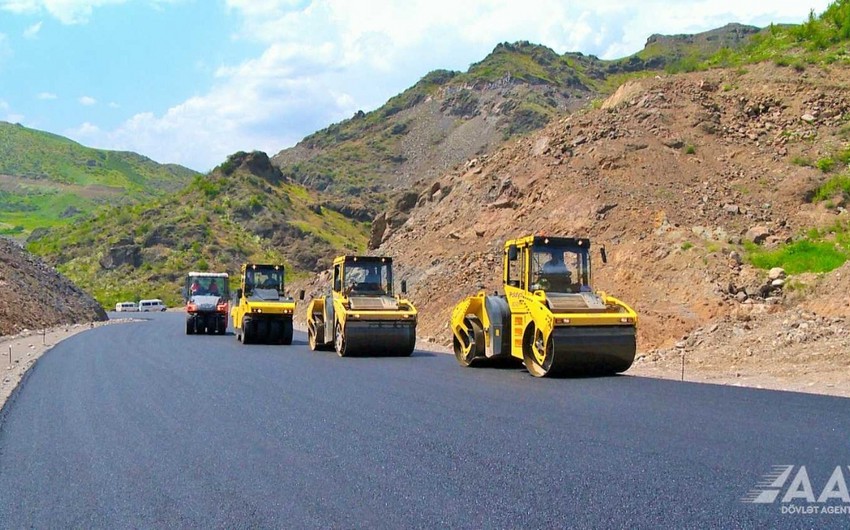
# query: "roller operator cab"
[207,295]
[550,318]
[262,313]
[362,315]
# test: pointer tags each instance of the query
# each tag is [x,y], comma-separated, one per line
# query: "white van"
[123,307]
[151,305]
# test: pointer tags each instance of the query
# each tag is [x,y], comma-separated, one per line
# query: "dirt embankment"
[35,296]
[673,176]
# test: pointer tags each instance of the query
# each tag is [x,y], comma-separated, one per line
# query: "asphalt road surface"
[139,425]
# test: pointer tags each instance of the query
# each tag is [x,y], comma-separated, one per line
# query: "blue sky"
[191,81]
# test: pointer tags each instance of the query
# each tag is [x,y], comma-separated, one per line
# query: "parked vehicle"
[151,305]
[126,307]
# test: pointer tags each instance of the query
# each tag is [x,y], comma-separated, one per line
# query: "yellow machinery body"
[549,317]
[262,313]
[361,315]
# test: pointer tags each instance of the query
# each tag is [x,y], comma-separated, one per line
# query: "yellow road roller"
[549,317]
[361,315]
[262,313]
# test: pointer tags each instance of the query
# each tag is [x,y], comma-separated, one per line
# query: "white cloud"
[32,31]
[66,11]
[14,118]
[85,130]
[46,96]
[243,111]
[113,105]
[3,105]
[87,101]
[325,59]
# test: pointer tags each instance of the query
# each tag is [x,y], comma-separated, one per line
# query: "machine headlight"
[562,321]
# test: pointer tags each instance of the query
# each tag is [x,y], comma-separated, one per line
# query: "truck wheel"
[222,325]
[190,326]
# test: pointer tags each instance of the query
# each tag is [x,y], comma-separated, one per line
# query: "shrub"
[832,187]
[826,164]
[801,256]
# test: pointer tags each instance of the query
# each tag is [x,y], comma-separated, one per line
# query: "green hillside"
[449,117]
[45,179]
[244,210]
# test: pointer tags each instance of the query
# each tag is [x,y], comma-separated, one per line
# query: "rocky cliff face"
[34,296]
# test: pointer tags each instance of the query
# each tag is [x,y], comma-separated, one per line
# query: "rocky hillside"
[48,180]
[35,296]
[448,117]
[697,184]
[244,210]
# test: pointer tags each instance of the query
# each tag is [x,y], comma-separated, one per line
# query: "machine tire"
[311,338]
[286,334]
[538,356]
[274,330]
[468,354]
[410,347]
[339,341]
[246,334]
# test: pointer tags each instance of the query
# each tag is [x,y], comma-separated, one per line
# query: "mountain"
[449,117]
[47,180]
[389,166]
[244,210]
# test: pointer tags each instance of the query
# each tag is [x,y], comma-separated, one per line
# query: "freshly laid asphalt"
[139,425]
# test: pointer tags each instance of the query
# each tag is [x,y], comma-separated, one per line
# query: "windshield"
[208,286]
[373,278]
[560,269]
[264,279]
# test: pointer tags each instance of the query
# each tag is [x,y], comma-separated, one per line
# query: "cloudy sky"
[191,81]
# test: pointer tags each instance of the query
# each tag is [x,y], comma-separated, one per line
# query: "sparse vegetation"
[818,251]
[836,185]
[801,256]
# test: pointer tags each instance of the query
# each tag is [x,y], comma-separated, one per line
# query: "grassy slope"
[216,223]
[50,174]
